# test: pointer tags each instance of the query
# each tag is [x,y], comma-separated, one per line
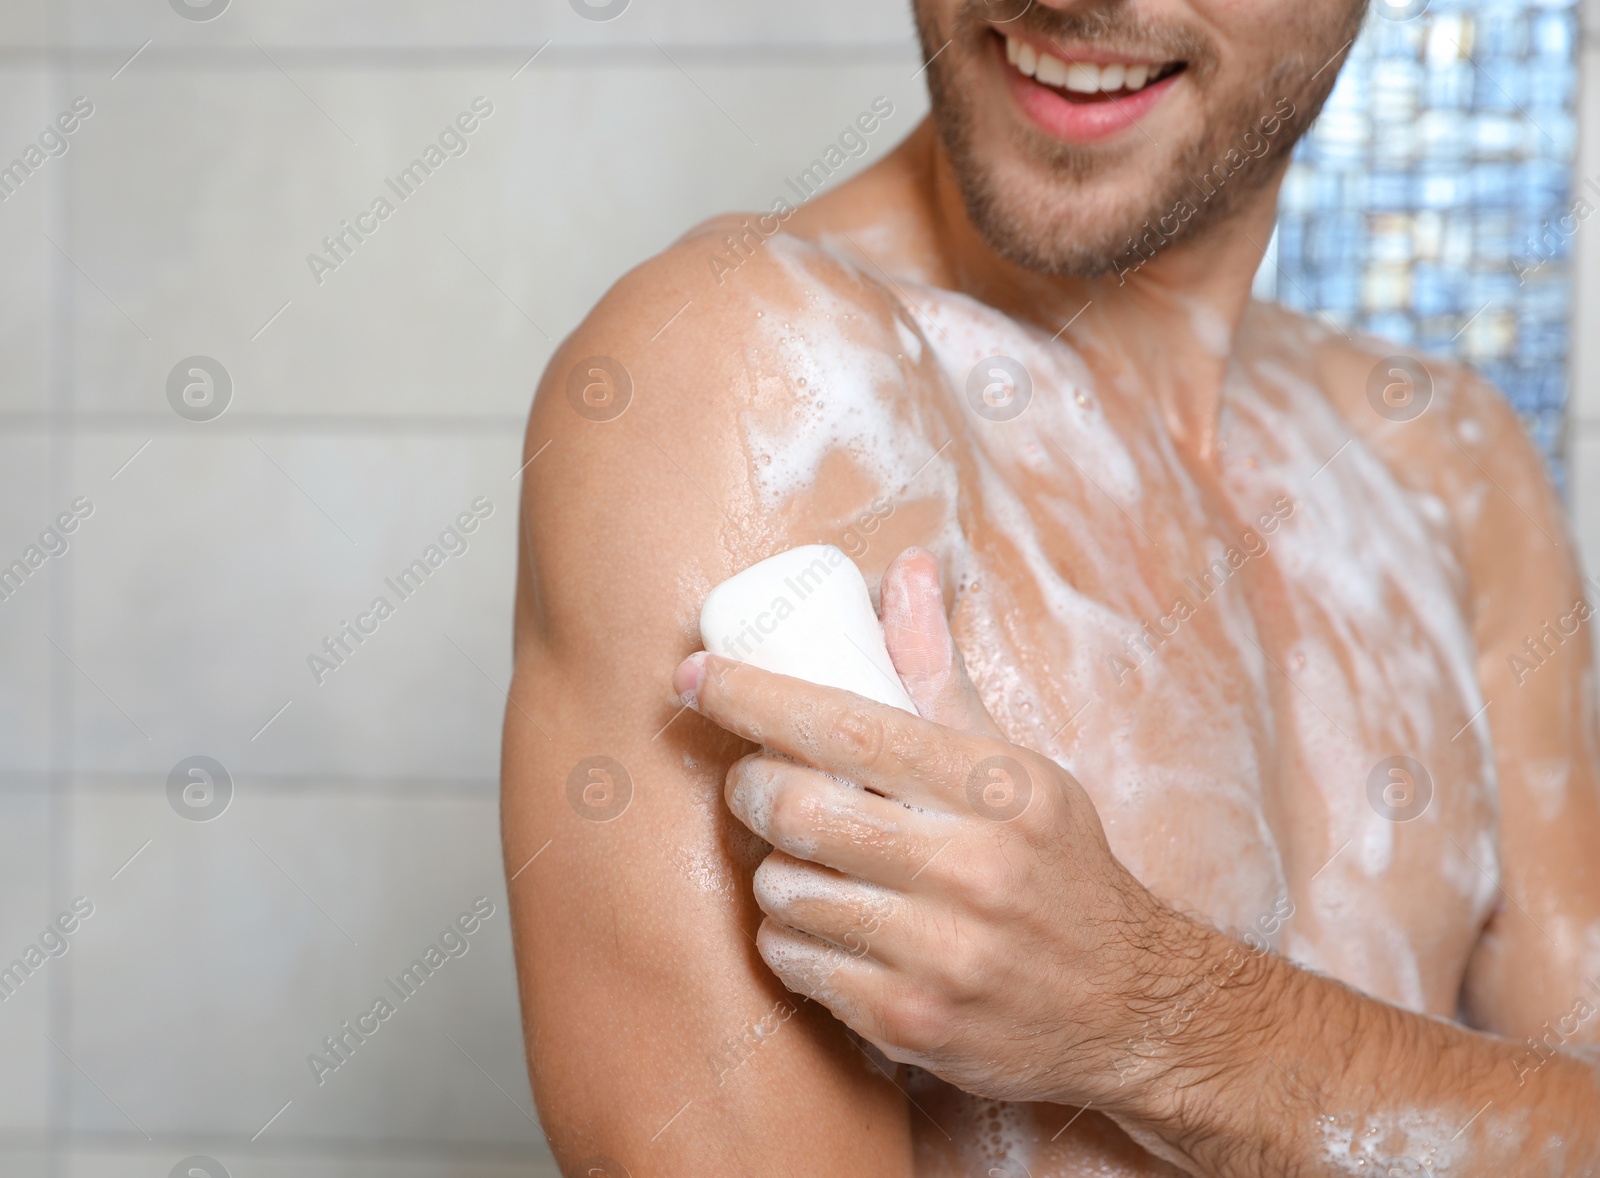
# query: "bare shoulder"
[630,880]
[1443,430]
[647,431]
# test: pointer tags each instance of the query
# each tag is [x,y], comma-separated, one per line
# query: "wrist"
[1204,1013]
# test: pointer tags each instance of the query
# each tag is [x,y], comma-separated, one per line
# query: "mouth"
[1084,95]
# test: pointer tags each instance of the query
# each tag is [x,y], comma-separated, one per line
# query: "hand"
[948,895]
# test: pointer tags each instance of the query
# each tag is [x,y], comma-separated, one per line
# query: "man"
[1248,826]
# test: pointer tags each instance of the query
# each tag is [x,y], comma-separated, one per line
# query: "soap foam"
[1067,529]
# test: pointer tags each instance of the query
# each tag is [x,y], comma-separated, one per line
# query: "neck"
[1169,325]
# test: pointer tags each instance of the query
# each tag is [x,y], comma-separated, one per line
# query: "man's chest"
[1263,674]
[1260,665]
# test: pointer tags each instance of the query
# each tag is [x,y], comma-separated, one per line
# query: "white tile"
[221,558]
[30,501]
[23,1161]
[220,958]
[25,23]
[26,910]
[26,256]
[488,23]
[201,194]
[250,1162]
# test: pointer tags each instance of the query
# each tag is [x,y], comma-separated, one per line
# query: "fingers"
[881,748]
[827,904]
[819,969]
[924,652]
[812,816]
[866,995]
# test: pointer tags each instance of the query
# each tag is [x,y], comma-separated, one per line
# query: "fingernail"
[686,680]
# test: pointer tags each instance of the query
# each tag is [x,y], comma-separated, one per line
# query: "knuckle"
[860,733]
[1038,817]
[962,964]
[788,814]
[989,886]
[911,1019]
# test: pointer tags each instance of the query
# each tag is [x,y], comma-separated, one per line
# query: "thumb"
[919,641]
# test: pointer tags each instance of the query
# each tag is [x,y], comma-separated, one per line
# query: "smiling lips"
[1084,101]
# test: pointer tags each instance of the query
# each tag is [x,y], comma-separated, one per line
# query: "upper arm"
[655,1034]
[1544,937]
[1469,451]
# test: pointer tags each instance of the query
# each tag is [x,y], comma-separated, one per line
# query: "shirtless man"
[1250,825]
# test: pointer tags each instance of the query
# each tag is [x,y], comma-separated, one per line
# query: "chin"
[1083,144]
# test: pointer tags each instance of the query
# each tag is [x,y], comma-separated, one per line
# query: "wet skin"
[1198,777]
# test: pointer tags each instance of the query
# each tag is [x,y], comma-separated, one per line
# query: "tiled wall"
[367,412]
[1420,208]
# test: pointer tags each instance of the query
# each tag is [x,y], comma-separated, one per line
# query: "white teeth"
[1081,77]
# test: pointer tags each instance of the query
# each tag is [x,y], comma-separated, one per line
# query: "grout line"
[62,686]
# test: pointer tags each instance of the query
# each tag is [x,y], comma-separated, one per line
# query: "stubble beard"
[1064,223]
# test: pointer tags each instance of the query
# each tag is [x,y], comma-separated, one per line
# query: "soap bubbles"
[999,788]
[599,788]
[1403,1167]
[1399,788]
[1399,388]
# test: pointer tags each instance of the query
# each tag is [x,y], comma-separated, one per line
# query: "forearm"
[1283,1072]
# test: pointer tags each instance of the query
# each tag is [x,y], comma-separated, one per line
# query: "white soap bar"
[804,613]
